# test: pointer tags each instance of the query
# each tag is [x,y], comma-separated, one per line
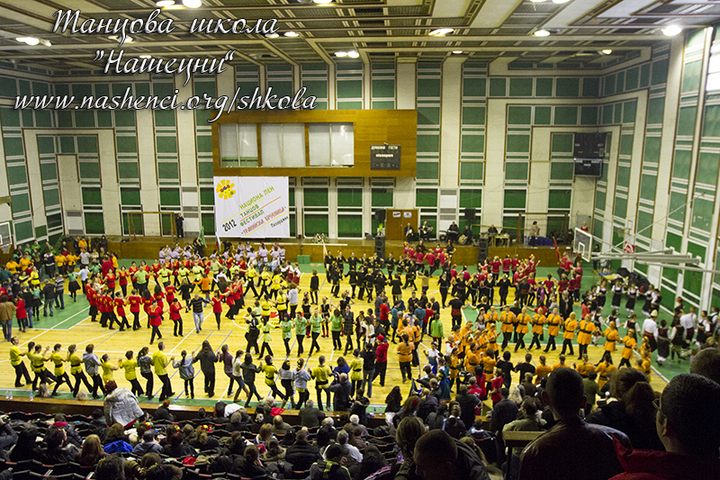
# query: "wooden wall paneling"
[370,127]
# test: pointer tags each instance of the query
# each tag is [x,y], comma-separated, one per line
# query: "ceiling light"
[671,30]
[113,37]
[353,54]
[165,3]
[272,35]
[541,33]
[341,54]
[46,43]
[192,3]
[175,6]
[538,1]
[457,52]
[441,32]
[28,40]
[323,2]
[606,51]
[145,56]
[291,34]
[128,39]
[560,1]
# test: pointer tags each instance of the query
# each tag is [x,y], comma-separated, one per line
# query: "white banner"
[252,207]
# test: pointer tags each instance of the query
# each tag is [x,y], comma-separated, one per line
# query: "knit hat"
[381,338]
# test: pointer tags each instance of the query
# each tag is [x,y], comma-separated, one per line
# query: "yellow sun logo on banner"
[225,189]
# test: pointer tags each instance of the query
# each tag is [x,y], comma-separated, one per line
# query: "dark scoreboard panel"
[385,157]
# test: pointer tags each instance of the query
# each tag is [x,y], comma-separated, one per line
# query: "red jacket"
[381,352]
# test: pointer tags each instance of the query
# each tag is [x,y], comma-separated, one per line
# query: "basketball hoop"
[629,247]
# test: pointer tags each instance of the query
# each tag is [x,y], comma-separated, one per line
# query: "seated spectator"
[302,454]
[148,444]
[359,406]
[239,421]
[273,452]
[55,449]
[326,433]
[332,467]
[26,447]
[60,422]
[439,456]
[353,451]
[177,448]
[202,440]
[91,452]
[406,436]
[265,435]
[115,433]
[354,436]
[528,385]
[409,409]
[393,401]
[280,427]
[8,437]
[252,466]
[688,424]
[120,405]
[373,462]
[633,413]
[310,415]
[436,420]
[163,412]
[237,444]
[428,404]
[707,363]
[454,426]
[528,421]
[355,421]
[111,468]
[572,448]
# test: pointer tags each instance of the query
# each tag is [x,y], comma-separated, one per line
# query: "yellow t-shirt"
[75,363]
[269,371]
[12,266]
[321,374]
[107,369]
[129,366]
[159,361]
[57,359]
[15,357]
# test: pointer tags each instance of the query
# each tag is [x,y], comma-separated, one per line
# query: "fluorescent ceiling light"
[28,40]
[441,32]
[457,52]
[145,56]
[292,34]
[272,35]
[538,1]
[560,1]
[671,30]
[165,3]
[341,54]
[606,51]
[192,3]
[541,33]
[353,54]
[323,2]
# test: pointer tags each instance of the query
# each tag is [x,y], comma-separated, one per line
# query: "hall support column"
[406,86]
[451,95]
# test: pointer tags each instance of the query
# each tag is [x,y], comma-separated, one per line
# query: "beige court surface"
[116,343]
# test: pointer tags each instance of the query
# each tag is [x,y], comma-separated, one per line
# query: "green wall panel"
[315,197]
[566,115]
[348,226]
[514,199]
[471,170]
[470,198]
[315,223]
[426,197]
[519,115]
[349,197]
[516,170]
[567,87]
[521,86]
[427,170]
